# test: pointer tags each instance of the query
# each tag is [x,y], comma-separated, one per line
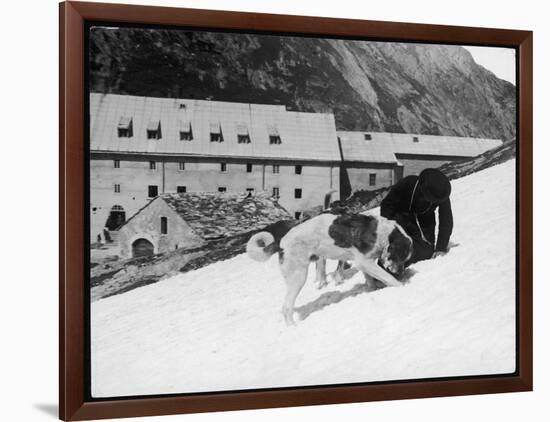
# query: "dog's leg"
[370,282]
[337,275]
[340,274]
[295,278]
[349,273]
[321,274]
[371,268]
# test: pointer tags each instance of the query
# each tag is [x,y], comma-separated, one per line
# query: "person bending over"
[412,202]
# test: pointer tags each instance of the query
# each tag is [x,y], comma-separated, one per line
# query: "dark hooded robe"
[412,202]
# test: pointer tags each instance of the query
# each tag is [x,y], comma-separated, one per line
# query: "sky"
[500,61]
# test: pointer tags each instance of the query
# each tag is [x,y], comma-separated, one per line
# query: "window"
[152,191]
[372,179]
[182,165]
[274,136]
[297,215]
[163,225]
[117,188]
[297,193]
[223,167]
[298,169]
[152,165]
[368,137]
[275,168]
[216,132]
[116,164]
[186,132]
[186,136]
[243,136]
[243,139]
[274,140]
[415,139]
[124,133]
[153,130]
[181,189]
[125,127]
[276,193]
[248,167]
[222,189]
[216,137]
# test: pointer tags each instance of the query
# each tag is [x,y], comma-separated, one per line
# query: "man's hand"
[438,253]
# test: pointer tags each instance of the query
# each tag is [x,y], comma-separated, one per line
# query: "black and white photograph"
[271,210]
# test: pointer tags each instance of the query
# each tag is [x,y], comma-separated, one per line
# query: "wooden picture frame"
[74,404]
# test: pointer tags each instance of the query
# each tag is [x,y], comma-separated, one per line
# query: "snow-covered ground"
[220,327]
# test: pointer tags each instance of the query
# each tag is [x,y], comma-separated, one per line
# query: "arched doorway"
[142,247]
[116,218]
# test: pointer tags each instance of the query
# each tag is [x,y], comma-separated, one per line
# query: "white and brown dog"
[376,246]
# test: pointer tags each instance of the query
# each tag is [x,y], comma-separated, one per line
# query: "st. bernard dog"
[375,245]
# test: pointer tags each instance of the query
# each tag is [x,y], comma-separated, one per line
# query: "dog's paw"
[321,284]
[335,278]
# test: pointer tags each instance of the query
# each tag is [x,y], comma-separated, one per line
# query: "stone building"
[185,220]
[372,160]
[142,147]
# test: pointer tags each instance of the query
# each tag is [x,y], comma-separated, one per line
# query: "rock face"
[378,86]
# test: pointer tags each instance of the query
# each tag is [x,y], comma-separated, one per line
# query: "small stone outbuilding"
[186,220]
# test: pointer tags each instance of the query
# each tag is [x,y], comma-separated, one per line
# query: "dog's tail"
[262,245]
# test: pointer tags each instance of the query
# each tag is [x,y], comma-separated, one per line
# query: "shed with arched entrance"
[142,247]
[187,220]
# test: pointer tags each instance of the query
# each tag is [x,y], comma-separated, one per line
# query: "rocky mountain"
[378,86]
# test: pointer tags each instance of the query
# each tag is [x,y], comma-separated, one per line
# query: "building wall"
[201,174]
[414,164]
[147,225]
[133,176]
[359,176]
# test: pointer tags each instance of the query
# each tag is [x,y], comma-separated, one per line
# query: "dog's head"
[398,251]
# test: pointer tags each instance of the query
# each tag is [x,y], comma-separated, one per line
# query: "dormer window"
[415,139]
[125,127]
[274,136]
[186,132]
[243,139]
[153,130]
[216,132]
[368,137]
[243,136]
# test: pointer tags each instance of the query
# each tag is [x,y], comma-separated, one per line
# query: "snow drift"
[220,327]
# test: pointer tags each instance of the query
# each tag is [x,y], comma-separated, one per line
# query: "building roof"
[214,215]
[356,148]
[383,146]
[305,136]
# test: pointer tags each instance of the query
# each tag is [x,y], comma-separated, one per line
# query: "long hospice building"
[373,160]
[142,147]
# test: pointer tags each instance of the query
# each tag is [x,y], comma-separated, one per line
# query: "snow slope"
[220,327]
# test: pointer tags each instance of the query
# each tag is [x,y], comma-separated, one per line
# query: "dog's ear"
[399,246]
[355,230]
